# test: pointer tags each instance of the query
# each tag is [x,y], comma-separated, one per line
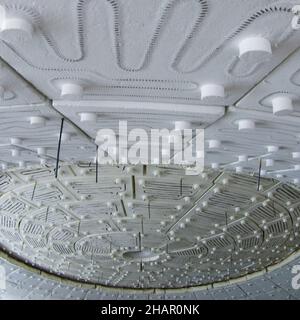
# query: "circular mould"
[138,247]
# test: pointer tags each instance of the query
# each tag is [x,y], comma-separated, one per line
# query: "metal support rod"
[259,175]
[97,163]
[58,147]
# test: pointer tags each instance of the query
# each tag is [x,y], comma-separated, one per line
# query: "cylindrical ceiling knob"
[239,169]
[212,91]
[16,141]
[255,44]
[282,106]
[214,144]
[15,152]
[214,165]
[88,117]
[21,164]
[246,124]
[17,24]
[71,90]
[272,149]
[37,120]
[296,155]
[41,151]
[242,158]
[269,162]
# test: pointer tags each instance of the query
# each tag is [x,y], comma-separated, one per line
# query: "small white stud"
[212,91]
[239,169]
[71,90]
[141,182]
[272,149]
[41,151]
[15,152]
[37,120]
[242,158]
[269,162]
[187,199]
[14,24]
[282,106]
[246,124]
[296,155]
[214,144]
[88,117]
[156,173]
[17,141]
[21,164]
[214,165]
[255,44]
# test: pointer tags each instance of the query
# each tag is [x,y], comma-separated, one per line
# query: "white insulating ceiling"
[228,67]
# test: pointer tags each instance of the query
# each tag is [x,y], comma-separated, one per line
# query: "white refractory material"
[88,117]
[15,141]
[282,106]
[272,148]
[15,152]
[37,120]
[214,165]
[269,162]
[41,151]
[181,125]
[17,24]
[71,90]
[239,169]
[214,144]
[212,91]
[246,124]
[21,164]
[242,158]
[296,155]
[255,44]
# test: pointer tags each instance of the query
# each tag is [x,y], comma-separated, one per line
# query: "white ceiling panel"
[146,50]
[283,82]
[274,140]
[144,115]
[14,90]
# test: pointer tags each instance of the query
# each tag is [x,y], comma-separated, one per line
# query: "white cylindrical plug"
[255,44]
[71,90]
[88,117]
[212,91]
[246,124]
